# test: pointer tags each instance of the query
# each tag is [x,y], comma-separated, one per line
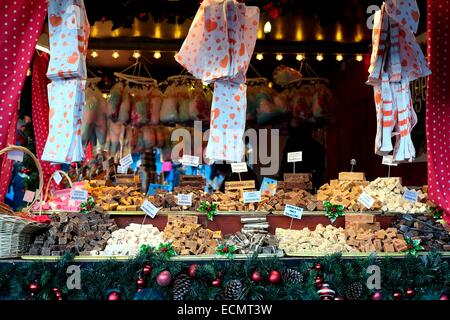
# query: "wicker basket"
[63,174]
[15,232]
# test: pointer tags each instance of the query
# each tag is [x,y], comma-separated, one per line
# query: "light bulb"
[300,57]
[259,56]
[279,57]
[270,85]
[319,57]
[94,54]
[136,54]
[157,55]
[267,27]
[359,57]
[115,54]
[339,57]
[105,95]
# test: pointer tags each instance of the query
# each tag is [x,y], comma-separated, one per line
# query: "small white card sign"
[389,161]
[78,194]
[410,195]
[192,161]
[149,209]
[293,211]
[295,156]
[28,196]
[126,161]
[239,167]
[122,170]
[57,177]
[366,200]
[184,199]
[252,196]
[105,165]
[15,155]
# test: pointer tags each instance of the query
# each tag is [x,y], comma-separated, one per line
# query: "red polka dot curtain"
[438,105]
[21,24]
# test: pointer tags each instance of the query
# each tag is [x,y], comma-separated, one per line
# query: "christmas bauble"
[114,296]
[140,283]
[318,267]
[377,295]
[410,293]
[55,290]
[318,282]
[147,269]
[397,295]
[164,278]
[326,293]
[274,277]
[34,287]
[444,296]
[192,270]
[256,277]
[339,298]
[216,283]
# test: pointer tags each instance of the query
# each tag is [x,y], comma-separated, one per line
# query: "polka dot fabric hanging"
[21,24]
[438,105]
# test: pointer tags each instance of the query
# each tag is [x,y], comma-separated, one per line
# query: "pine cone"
[292,276]
[233,290]
[354,291]
[181,287]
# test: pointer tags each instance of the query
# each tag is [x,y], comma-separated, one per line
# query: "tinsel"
[429,274]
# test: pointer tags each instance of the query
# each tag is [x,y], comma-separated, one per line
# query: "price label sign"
[239,167]
[122,170]
[126,161]
[293,211]
[77,194]
[410,195]
[149,209]
[295,156]
[15,155]
[28,196]
[389,161]
[366,200]
[252,196]
[105,165]
[185,200]
[57,177]
[192,161]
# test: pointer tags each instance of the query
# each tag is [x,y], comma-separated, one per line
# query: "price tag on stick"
[126,161]
[57,177]
[122,170]
[28,196]
[184,199]
[77,194]
[410,195]
[295,157]
[293,212]
[366,200]
[192,161]
[252,196]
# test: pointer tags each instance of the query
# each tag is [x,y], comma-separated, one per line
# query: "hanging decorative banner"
[218,49]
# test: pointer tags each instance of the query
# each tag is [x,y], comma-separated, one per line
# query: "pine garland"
[428,274]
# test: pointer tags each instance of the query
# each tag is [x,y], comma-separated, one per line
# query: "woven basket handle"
[38,194]
[65,175]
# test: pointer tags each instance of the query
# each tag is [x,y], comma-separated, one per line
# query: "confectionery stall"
[224,150]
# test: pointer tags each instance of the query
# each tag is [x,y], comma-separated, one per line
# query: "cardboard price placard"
[252,196]
[76,194]
[295,156]
[293,211]
[410,195]
[122,169]
[239,167]
[28,196]
[15,155]
[239,185]
[192,161]
[57,177]
[126,161]
[184,199]
[366,200]
[149,209]
[389,161]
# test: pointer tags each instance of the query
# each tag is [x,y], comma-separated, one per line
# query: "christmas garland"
[153,276]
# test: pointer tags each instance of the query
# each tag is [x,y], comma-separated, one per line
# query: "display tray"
[363,254]
[176,258]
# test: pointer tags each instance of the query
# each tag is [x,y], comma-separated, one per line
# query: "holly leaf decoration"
[146,249]
[209,208]
[88,205]
[333,211]
[166,250]
[226,250]
[414,246]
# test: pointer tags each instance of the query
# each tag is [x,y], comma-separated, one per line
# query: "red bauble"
[326,293]
[377,295]
[444,296]
[114,296]
[339,298]
[55,290]
[397,295]
[140,283]
[256,277]
[216,282]
[410,293]
[147,269]
[318,282]
[225,249]
[163,249]
[192,270]
[318,267]
[34,287]
[164,278]
[274,277]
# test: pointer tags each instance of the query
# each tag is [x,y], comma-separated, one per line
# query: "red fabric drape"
[21,24]
[40,108]
[438,105]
